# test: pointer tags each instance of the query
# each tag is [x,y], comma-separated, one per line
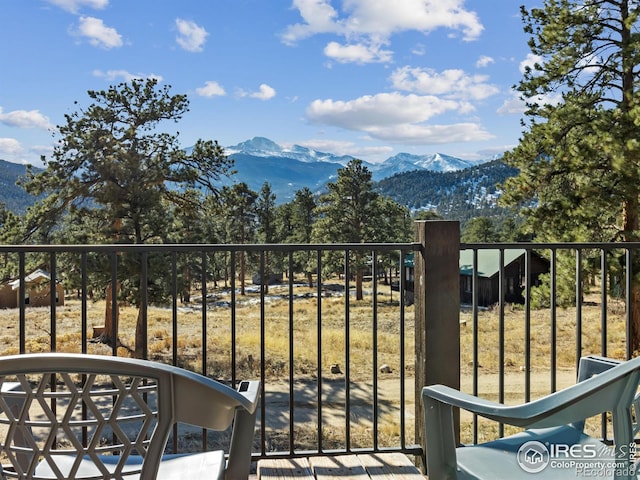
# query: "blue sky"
[367,78]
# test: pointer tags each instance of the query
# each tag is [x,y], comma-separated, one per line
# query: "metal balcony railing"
[333,368]
[339,373]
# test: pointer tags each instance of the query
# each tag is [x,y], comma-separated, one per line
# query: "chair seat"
[498,459]
[172,467]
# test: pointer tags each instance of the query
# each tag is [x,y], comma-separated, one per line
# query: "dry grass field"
[274,320]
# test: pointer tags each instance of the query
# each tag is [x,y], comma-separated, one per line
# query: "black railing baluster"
[604,267]
[501,359]
[144,303]
[527,334]
[174,309]
[403,407]
[21,301]
[292,392]
[114,303]
[233,317]
[320,366]
[579,290]
[554,319]
[83,301]
[52,301]
[374,333]
[347,357]
[263,354]
[474,302]
[628,299]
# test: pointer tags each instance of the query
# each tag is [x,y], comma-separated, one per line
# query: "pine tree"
[240,211]
[348,212]
[579,158]
[115,166]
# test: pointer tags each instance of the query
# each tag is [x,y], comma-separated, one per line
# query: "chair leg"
[623,443]
[239,463]
[440,439]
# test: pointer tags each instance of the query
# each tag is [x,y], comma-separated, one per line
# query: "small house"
[37,291]
[488,266]
[488,270]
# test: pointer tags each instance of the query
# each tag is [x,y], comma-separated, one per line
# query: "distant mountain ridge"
[263,147]
[413,180]
[402,162]
[290,168]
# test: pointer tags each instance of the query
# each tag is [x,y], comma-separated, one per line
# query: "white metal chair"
[89,416]
[554,444]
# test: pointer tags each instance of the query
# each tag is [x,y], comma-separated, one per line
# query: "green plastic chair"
[89,416]
[554,444]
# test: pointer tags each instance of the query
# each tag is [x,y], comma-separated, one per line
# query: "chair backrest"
[98,407]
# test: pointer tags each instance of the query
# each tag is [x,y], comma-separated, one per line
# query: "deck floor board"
[374,466]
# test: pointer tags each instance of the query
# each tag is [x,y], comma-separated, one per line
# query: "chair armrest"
[250,389]
[592,396]
[244,424]
[593,365]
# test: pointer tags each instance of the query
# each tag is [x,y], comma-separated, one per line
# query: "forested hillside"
[459,195]
[13,196]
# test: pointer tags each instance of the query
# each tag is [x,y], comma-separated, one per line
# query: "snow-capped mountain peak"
[263,147]
[437,162]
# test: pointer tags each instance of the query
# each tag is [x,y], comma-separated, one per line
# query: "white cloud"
[515,105]
[265,92]
[11,150]
[419,50]
[319,17]
[25,119]
[381,109]
[431,134]
[397,118]
[512,105]
[452,83]
[530,61]
[114,75]
[191,36]
[211,89]
[484,61]
[98,33]
[10,147]
[73,6]
[373,22]
[357,53]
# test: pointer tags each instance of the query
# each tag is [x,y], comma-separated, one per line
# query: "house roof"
[32,277]
[488,261]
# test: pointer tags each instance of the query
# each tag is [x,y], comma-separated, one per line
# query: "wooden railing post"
[437,311]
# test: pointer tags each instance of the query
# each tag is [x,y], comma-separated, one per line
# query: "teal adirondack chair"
[554,445]
[72,416]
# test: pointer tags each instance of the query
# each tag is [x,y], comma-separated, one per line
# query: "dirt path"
[305,397]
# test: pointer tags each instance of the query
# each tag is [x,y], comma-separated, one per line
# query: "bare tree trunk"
[242,272]
[141,336]
[110,334]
